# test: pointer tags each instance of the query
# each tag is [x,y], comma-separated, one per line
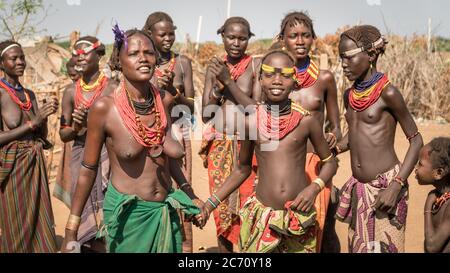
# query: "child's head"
[277,75]
[359,48]
[434,161]
[297,34]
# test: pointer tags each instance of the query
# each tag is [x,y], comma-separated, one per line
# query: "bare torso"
[279,183]
[133,171]
[12,115]
[371,140]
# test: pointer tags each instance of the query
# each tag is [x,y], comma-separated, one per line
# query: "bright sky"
[402,17]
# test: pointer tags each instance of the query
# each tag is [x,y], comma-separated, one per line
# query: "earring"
[283,48]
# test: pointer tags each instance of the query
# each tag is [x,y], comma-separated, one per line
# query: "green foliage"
[21,18]
[23,7]
[442,44]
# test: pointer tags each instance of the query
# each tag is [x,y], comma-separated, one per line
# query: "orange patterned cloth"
[323,198]
[220,156]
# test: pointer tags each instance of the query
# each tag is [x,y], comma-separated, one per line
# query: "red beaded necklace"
[170,67]
[439,202]
[308,76]
[144,135]
[26,106]
[97,89]
[361,100]
[276,128]
[236,70]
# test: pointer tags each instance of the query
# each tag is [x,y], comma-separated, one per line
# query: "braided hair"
[155,18]
[235,20]
[296,17]
[118,45]
[364,36]
[440,153]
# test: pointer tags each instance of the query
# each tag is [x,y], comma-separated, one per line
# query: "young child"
[374,200]
[280,216]
[434,169]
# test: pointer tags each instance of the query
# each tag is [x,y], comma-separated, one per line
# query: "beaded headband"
[355,51]
[271,69]
[8,47]
[86,50]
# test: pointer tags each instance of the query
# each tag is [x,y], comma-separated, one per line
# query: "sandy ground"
[205,240]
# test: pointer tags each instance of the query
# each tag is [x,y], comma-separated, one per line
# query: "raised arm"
[211,95]
[67,132]
[220,70]
[37,122]
[188,84]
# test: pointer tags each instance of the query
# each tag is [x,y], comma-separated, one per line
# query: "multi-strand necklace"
[365,93]
[12,91]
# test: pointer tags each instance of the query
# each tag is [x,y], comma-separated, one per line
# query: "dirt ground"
[205,240]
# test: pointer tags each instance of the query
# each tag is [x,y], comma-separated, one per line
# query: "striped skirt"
[26,217]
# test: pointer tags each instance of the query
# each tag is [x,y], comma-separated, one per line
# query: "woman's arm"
[94,141]
[331,103]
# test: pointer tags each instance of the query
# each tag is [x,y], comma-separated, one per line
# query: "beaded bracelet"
[412,136]
[400,180]
[217,198]
[211,202]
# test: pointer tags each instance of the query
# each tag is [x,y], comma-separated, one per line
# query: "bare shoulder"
[70,88]
[102,105]
[326,76]
[391,92]
[308,122]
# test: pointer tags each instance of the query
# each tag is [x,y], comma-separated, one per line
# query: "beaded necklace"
[278,126]
[439,202]
[364,94]
[97,87]
[12,91]
[236,70]
[149,137]
[171,66]
[306,76]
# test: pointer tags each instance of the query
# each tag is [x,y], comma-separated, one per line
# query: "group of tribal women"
[126,151]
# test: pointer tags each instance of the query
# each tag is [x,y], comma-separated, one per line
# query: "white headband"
[84,42]
[355,51]
[8,47]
